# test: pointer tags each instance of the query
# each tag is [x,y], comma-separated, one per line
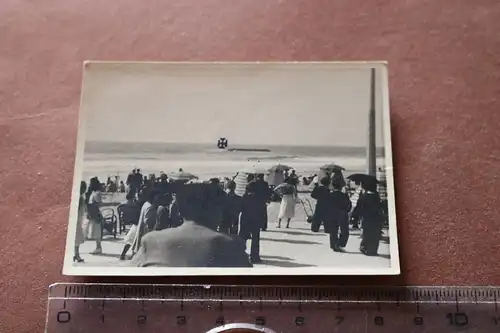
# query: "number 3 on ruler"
[457,319]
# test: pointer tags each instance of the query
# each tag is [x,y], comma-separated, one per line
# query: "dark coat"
[190,245]
[322,195]
[339,206]
[232,208]
[370,210]
[253,211]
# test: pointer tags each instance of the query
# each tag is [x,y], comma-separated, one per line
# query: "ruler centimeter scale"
[270,309]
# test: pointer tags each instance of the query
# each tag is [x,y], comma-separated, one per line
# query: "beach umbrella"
[332,167]
[275,178]
[182,176]
[362,177]
[279,168]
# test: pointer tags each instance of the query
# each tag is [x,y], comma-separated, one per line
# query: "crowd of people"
[206,224]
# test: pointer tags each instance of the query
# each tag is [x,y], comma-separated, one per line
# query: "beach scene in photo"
[272,167]
[296,247]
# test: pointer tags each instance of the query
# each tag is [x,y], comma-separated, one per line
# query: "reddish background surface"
[444,79]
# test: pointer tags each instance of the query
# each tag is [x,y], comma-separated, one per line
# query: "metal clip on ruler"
[269,309]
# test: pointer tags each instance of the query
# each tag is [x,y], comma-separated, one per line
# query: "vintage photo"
[279,168]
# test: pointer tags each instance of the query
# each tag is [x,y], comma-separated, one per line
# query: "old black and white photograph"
[233,168]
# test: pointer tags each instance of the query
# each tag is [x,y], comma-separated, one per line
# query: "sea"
[110,159]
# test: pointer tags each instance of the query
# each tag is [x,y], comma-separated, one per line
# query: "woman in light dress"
[79,236]
[94,200]
[288,201]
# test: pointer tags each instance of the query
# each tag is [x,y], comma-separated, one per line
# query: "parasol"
[182,176]
[332,167]
[362,177]
[279,168]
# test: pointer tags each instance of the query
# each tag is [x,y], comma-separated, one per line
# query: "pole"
[372,149]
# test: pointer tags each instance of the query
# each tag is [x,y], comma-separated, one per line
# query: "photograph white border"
[393,269]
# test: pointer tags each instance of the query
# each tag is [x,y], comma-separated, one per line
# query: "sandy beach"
[294,247]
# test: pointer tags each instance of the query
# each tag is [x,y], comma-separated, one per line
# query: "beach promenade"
[294,247]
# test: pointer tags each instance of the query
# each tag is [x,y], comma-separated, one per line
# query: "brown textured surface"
[445,82]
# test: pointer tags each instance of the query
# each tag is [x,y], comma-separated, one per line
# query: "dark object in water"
[250,149]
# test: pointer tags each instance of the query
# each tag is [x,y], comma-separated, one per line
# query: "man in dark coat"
[195,243]
[132,183]
[340,206]
[232,210]
[370,210]
[264,192]
[322,210]
[251,219]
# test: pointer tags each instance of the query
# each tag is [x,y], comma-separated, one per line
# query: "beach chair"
[109,221]
[308,208]
[127,215]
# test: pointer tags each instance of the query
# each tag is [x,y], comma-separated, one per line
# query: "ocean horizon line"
[232,146]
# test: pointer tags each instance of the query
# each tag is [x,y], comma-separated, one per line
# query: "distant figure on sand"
[93,201]
[288,201]
[293,179]
[195,243]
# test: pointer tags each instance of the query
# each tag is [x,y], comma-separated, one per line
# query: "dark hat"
[369,184]
[252,187]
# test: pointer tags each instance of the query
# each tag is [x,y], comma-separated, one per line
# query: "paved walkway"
[294,247]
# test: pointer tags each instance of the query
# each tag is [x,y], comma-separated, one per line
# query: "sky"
[267,104]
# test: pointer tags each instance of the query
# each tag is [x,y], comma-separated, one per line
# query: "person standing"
[264,193]
[251,220]
[131,182]
[322,211]
[357,193]
[294,179]
[382,191]
[338,223]
[138,182]
[94,201]
[79,236]
[232,210]
[176,219]
[370,210]
[147,219]
[288,201]
[132,218]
